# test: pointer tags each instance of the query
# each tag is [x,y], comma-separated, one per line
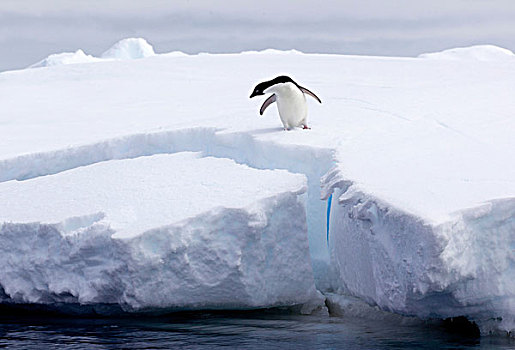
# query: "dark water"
[223,330]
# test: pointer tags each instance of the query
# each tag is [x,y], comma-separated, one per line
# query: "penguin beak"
[255,93]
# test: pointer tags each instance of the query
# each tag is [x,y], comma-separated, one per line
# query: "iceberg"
[126,49]
[130,49]
[416,153]
[477,52]
[65,58]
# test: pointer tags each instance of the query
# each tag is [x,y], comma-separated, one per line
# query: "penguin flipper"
[306,91]
[267,103]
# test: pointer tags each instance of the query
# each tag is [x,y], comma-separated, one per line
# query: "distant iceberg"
[129,49]
[65,58]
[478,53]
[126,49]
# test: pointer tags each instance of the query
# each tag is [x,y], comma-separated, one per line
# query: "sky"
[30,30]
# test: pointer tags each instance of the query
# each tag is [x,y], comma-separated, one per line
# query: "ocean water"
[244,330]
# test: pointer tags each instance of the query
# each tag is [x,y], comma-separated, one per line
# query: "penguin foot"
[305,127]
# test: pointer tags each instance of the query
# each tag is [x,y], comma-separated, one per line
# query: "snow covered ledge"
[199,238]
[409,264]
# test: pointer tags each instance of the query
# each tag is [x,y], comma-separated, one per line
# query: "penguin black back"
[261,87]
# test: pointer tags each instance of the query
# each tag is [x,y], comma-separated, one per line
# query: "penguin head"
[261,87]
[258,90]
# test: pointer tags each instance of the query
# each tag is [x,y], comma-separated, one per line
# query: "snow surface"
[163,231]
[418,154]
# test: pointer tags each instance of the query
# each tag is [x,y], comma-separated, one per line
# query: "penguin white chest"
[291,104]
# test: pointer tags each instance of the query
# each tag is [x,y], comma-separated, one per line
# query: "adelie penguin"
[291,102]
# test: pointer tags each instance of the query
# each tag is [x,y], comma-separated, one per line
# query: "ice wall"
[163,232]
[409,265]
